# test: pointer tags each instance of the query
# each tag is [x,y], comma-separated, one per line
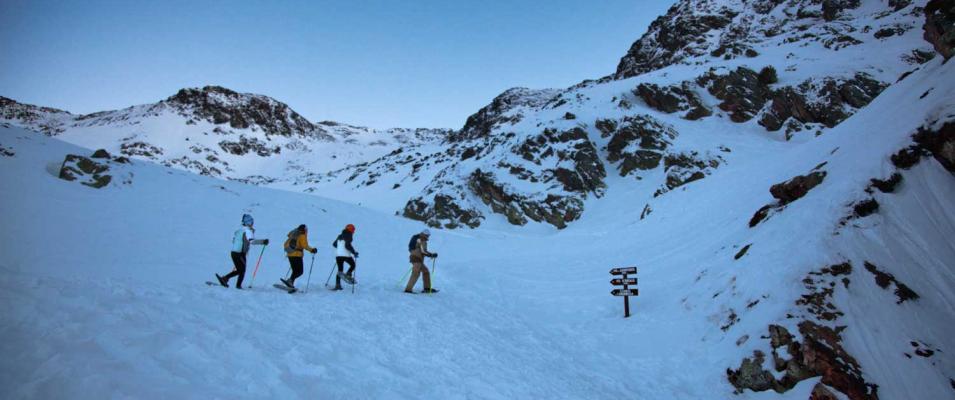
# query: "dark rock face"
[939,143]
[751,375]
[887,185]
[89,172]
[673,37]
[683,168]
[101,153]
[832,8]
[741,92]
[572,145]
[939,28]
[884,279]
[819,352]
[832,96]
[865,208]
[499,112]
[141,149]
[638,143]
[246,145]
[443,212]
[672,99]
[796,188]
[219,105]
[553,209]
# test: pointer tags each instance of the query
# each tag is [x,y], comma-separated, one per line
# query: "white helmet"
[426,232]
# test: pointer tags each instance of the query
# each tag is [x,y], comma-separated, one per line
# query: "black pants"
[298,268]
[341,266]
[238,259]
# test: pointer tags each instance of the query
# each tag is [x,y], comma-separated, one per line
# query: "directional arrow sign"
[623,271]
[621,281]
[622,292]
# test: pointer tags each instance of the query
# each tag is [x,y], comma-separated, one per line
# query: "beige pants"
[418,268]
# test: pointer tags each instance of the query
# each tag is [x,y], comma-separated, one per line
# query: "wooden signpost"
[626,291]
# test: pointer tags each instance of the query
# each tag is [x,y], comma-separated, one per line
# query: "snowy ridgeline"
[105,297]
[793,237]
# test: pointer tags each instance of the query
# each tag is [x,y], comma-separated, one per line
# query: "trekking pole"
[405,276]
[434,271]
[309,280]
[257,265]
[330,274]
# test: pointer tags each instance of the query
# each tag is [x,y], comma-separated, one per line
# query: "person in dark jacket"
[345,253]
[242,239]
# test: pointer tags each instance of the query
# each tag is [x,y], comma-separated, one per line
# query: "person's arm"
[303,244]
[423,245]
[349,247]
[251,237]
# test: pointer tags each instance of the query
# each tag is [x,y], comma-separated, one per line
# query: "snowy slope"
[797,263]
[105,292]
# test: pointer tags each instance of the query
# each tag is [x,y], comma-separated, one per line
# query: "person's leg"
[237,259]
[239,269]
[341,269]
[351,265]
[426,275]
[297,269]
[415,271]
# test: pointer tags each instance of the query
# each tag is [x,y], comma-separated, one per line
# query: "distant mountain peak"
[220,105]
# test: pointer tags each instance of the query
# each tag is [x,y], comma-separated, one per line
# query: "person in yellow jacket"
[295,246]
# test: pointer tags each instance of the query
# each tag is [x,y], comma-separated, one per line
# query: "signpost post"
[626,291]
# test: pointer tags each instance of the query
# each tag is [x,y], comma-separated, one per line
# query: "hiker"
[345,253]
[295,246]
[241,240]
[418,247]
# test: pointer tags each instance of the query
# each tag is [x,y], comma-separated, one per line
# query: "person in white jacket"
[345,253]
[242,239]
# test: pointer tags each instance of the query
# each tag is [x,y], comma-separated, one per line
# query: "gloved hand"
[265,242]
[356,254]
[434,255]
[313,251]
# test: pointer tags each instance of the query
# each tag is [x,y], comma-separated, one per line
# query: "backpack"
[413,244]
[292,242]
[238,241]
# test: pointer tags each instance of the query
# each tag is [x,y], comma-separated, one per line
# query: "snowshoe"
[347,278]
[430,291]
[222,281]
[336,288]
[285,288]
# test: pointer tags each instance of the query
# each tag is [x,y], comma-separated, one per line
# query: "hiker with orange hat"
[345,253]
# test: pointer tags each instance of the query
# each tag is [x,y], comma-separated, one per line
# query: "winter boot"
[287,283]
[222,281]
[337,287]
[409,291]
[432,290]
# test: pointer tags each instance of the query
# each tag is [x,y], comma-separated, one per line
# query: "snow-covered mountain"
[217,132]
[792,226]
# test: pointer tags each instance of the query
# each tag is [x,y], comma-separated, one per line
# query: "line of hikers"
[297,244]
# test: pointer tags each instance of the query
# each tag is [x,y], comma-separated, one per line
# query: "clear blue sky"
[376,63]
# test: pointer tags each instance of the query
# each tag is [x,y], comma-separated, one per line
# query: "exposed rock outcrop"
[939,26]
[504,109]
[834,101]
[797,187]
[638,143]
[219,105]
[671,99]
[85,170]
